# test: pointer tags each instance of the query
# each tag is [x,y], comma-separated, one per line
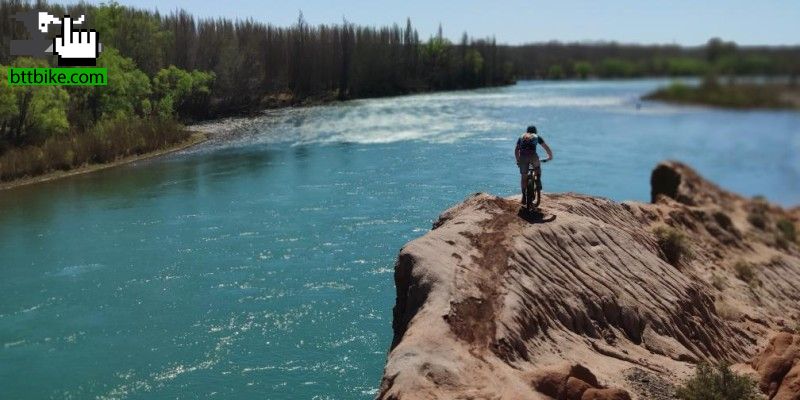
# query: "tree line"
[257,64]
[172,68]
[556,60]
[169,68]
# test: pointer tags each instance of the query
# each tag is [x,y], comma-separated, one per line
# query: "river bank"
[219,127]
[194,139]
[740,96]
[225,128]
[293,225]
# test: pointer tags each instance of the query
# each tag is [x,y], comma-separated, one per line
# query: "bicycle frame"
[532,189]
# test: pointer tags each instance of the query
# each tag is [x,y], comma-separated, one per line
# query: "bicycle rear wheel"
[530,194]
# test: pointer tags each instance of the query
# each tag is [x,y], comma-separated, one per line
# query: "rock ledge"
[580,302]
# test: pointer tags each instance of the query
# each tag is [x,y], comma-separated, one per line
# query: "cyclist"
[525,152]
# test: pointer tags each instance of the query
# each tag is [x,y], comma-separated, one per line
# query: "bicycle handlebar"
[530,164]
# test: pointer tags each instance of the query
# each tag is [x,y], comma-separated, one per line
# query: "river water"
[260,265]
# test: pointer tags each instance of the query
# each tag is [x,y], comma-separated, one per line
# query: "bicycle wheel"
[530,193]
[537,192]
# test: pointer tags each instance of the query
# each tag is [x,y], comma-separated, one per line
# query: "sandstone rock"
[779,367]
[493,302]
[574,382]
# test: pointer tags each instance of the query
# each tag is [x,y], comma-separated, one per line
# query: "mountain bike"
[533,188]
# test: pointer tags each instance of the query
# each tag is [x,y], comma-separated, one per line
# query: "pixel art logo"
[74,47]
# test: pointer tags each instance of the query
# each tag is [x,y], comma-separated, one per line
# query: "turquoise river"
[259,265]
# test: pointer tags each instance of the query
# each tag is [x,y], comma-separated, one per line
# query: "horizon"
[573,21]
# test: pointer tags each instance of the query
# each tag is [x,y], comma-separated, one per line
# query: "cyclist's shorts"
[524,161]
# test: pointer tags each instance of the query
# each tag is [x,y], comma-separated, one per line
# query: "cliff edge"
[594,299]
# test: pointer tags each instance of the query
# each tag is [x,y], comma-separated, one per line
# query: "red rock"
[779,367]
[493,300]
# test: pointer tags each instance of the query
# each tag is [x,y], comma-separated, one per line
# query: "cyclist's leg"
[538,172]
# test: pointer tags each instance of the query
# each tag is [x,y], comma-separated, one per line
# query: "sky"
[684,22]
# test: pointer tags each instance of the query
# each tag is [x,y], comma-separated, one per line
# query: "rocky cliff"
[593,299]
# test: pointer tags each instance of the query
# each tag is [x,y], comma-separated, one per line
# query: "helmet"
[531,129]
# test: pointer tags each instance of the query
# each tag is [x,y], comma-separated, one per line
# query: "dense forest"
[255,62]
[173,68]
[556,60]
[165,70]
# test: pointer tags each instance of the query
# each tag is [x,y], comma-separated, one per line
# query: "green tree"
[473,65]
[127,91]
[175,88]
[8,101]
[716,49]
[685,66]
[436,58]
[31,113]
[717,383]
[746,65]
[135,33]
[555,72]
[582,69]
[617,68]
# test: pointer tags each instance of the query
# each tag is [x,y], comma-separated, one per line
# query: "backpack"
[527,147]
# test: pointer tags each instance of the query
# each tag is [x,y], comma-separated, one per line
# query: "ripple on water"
[382,270]
[284,267]
[327,285]
[75,270]
[8,345]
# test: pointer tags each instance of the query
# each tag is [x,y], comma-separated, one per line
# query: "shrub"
[711,92]
[757,219]
[673,243]
[106,142]
[555,72]
[719,282]
[757,215]
[787,229]
[717,383]
[775,260]
[744,271]
[723,220]
[582,69]
[781,242]
[727,311]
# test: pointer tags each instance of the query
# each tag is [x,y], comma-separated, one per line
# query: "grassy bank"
[733,95]
[107,143]
[193,139]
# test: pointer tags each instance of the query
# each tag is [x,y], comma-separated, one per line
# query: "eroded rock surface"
[779,367]
[579,302]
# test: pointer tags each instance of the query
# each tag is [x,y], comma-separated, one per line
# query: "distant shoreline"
[735,96]
[198,136]
[669,94]
[195,139]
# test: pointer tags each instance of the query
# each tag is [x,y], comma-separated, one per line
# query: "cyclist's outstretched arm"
[548,150]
